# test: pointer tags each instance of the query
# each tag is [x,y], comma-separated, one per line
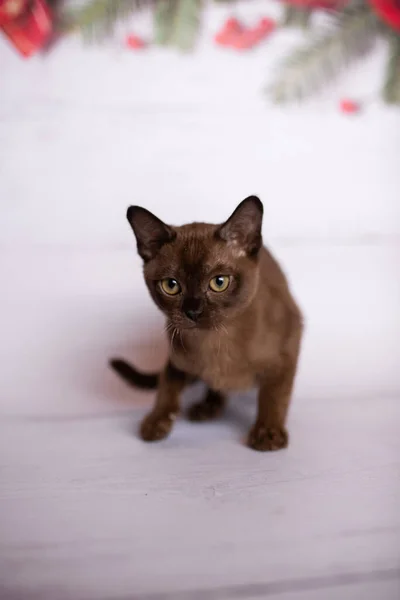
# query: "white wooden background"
[88,511]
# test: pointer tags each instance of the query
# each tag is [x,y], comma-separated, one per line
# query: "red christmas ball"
[388,11]
[134,42]
[349,106]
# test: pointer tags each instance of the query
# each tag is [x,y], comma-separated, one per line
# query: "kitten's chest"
[221,362]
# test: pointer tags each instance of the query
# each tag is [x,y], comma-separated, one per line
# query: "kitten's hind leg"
[211,407]
[158,423]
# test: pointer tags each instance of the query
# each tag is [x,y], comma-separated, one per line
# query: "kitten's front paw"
[154,427]
[264,438]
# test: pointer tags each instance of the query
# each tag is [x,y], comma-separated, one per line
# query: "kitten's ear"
[243,228]
[151,233]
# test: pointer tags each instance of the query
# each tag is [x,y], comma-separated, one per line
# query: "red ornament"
[248,39]
[27,24]
[349,106]
[233,25]
[10,10]
[388,11]
[252,36]
[266,26]
[323,4]
[229,32]
[134,42]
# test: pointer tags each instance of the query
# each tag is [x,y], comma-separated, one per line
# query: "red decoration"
[26,23]
[134,42]
[248,39]
[229,33]
[252,36]
[349,106]
[10,9]
[266,26]
[323,4]
[388,11]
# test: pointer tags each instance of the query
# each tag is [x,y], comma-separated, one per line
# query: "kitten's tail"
[145,381]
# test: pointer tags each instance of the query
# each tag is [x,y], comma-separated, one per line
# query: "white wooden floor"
[87,510]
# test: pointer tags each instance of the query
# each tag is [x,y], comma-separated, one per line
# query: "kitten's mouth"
[191,325]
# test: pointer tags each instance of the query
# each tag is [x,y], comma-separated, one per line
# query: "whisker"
[217,330]
[171,332]
[173,336]
[181,338]
[168,326]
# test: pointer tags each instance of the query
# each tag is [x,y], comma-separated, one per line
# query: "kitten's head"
[200,275]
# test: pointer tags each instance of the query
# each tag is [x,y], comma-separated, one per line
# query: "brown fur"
[247,336]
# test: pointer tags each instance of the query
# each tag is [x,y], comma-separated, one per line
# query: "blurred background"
[186,107]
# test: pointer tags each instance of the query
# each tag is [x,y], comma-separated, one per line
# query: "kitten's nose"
[192,307]
[193,315]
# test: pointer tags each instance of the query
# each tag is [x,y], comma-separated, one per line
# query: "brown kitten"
[231,320]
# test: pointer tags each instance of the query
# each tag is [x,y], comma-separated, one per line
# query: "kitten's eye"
[220,283]
[170,286]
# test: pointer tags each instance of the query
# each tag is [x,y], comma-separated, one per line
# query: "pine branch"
[353,34]
[177,23]
[294,16]
[391,90]
[163,21]
[97,19]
